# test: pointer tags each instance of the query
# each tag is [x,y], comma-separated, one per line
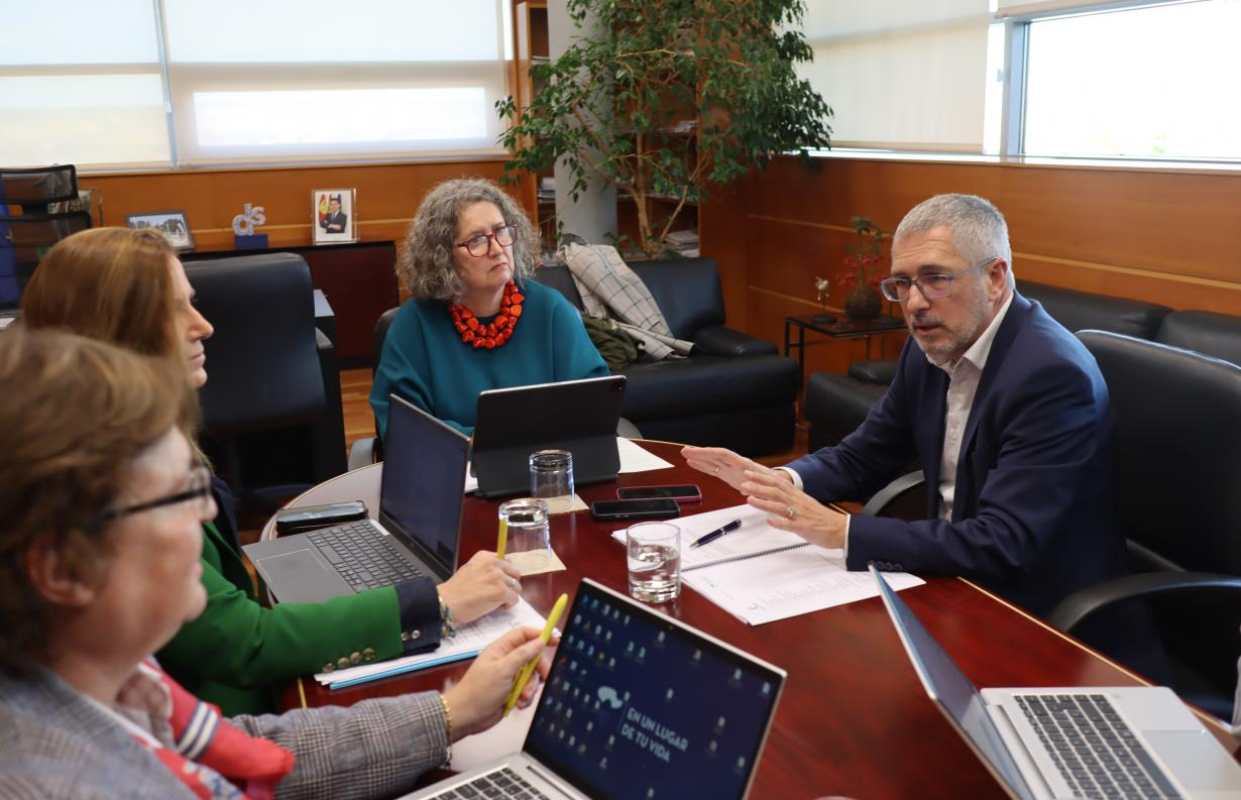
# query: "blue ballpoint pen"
[717,533]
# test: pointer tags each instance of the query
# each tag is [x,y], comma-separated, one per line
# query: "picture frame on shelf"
[333,218]
[172,224]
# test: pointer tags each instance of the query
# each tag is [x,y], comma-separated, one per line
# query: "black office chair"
[25,237]
[1177,476]
[266,384]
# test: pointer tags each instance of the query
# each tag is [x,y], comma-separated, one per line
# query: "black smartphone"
[656,508]
[682,493]
[305,518]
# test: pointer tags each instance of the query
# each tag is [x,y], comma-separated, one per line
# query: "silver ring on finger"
[790,512]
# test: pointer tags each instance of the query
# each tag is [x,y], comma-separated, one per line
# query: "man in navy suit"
[1005,410]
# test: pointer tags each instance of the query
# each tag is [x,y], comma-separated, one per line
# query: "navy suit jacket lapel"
[1000,346]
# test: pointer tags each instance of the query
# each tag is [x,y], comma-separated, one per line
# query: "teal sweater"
[425,361]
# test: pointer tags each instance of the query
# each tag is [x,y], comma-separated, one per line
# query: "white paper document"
[785,584]
[467,643]
[754,536]
[634,458]
[501,739]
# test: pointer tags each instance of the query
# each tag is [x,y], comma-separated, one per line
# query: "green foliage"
[669,97]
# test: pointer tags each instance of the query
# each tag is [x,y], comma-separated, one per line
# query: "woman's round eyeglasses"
[480,244]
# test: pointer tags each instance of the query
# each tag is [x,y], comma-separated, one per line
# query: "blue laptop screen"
[421,493]
[636,707]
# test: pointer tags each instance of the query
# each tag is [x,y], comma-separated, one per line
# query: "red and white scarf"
[210,755]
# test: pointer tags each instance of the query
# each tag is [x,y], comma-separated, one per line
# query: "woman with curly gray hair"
[476,320]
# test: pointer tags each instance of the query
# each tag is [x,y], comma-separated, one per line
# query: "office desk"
[854,720]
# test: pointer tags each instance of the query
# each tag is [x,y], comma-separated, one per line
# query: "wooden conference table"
[853,720]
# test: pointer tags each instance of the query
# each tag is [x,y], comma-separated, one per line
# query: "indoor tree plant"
[667,97]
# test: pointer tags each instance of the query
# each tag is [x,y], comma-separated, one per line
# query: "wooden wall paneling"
[388,195]
[722,222]
[1162,236]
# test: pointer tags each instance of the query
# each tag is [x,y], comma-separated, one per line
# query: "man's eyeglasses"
[199,492]
[932,285]
[480,244]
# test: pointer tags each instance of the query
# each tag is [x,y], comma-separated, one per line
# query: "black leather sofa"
[733,390]
[836,404]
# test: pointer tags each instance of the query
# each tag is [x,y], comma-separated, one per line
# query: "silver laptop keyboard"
[501,783]
[363,556]
[1095,751]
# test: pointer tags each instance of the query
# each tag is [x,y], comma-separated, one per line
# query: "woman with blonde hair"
[99,567]
[127,287]
[477,320]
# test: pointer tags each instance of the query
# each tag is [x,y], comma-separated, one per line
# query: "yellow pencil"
[502,538]
[523,677]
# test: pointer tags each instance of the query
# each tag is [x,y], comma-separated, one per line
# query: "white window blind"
[901,75]
[80,83]
[321,80]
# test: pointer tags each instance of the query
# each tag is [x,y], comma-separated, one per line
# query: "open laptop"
[421,495]
[1133,741]
[637,705]
[578,416]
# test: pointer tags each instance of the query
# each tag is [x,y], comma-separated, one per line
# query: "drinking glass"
[529,540]
[551,479]
[654,555]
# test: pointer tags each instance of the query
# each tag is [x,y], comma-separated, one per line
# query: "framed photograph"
[332,217]
[170,223]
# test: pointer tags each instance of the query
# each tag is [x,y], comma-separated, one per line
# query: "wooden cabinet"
[360,284]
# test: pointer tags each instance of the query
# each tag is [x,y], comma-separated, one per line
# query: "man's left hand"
[791,509]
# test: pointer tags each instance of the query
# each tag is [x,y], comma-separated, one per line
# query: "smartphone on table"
[653,508]
[306,518]
[681,492]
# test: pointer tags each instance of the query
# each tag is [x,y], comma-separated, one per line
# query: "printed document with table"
[761,574]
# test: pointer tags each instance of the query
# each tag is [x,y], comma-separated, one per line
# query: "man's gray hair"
[979,231]
[427,267]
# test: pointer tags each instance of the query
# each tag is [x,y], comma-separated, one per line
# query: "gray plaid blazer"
[55,744]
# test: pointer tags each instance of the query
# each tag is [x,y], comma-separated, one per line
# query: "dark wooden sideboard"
[359,282]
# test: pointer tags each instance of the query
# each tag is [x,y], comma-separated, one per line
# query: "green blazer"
[237,650]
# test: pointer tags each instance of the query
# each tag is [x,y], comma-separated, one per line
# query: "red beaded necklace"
[495,333]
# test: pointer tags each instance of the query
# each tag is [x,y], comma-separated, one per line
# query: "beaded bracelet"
[447,729]
[449,627]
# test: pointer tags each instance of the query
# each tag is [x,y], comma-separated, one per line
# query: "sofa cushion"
[1215,335]
[718,340]
[559,278]
[1081,311]
[880,372]
[702,384]
[836,405]
[687,291]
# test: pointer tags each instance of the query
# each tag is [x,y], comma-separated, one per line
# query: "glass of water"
[551,479]
[529,540]
[654,550]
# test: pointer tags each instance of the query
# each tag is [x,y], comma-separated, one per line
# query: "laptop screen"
[947,685]
[422,489]
[636,703]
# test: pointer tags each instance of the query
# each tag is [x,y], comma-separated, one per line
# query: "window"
[80,83]
[1097,79]
[901,75]
[286,81]
[1146,82]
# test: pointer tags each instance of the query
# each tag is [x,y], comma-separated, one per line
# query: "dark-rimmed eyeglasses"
[480,244]
[199,492]
[932,285]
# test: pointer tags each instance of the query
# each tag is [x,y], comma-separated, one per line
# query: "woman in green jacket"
[127,287]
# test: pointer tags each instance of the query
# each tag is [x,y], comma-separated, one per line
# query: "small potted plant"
[865,270]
